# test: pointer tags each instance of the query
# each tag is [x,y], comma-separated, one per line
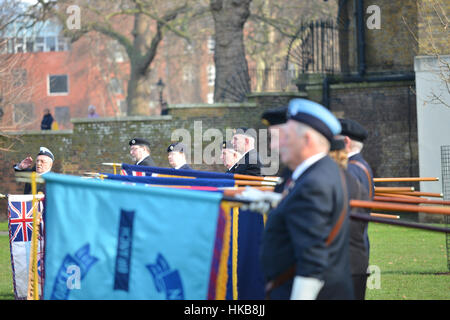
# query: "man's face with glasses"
[137,152]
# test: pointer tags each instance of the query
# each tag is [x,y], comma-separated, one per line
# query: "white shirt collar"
[178,167]
[141,160]
[306,164]
[351,154]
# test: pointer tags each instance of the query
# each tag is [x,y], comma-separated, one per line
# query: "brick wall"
[388,111]
[389,49]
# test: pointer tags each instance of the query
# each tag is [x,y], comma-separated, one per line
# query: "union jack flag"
[21,220]
[136,173]
[20,217]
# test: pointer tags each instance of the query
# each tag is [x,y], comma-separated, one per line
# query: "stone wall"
[94,141]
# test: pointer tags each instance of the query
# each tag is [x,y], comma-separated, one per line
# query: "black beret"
[139,141]
[274,116]
[249,132]
[353,130]
[337,144]
[46,152]
[176,146]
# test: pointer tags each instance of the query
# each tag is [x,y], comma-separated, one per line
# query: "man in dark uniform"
[177,157]
[229,156]
[244,142]
[359,257]
[305,252]
[275,119]
[354,135]
[140,152]
[44,163]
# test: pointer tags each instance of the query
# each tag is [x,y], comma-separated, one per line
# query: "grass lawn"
[412,264]
[6,286]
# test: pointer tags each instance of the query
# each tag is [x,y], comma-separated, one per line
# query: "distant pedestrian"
[91,112]
[47,120]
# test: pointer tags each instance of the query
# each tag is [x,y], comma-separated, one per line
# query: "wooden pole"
[365,217]
[424,194]
[394,189]
[382,215]
[409,179]
[412,200]
[396,195]
[398,207]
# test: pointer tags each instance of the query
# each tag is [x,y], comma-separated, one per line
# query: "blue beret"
[314,115]
[139,141]
[353,130]
[274,116]
[46,152]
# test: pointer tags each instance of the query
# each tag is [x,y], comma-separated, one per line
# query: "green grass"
[412,264]
[6,286]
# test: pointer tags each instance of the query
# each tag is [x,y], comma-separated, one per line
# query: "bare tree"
[137,25]
[229,57]
[432,39]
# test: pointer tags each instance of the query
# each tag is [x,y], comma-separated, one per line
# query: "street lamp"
[160,85]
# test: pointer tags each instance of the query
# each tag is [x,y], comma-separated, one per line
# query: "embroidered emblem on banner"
[166,280]
[79,264]
[124,245]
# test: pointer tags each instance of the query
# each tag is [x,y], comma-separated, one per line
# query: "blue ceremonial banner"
[133,170]
[109,240]
[245,279]
[172,181]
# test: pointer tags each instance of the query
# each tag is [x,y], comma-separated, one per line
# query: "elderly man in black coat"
[244,142]
[305,252]
[140,152]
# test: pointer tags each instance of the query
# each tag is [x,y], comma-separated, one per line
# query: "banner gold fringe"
[235,251]
[222,278]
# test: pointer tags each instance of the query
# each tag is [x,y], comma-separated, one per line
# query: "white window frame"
[57,93]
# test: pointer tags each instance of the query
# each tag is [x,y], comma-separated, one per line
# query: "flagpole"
[33,262]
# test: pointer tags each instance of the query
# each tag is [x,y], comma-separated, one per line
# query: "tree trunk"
[232,80]
[138,92]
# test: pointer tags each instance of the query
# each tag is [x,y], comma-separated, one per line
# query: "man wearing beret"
[275,119]
[44,163]
[140,152]
[354,135]
[229,156]
[177,157]
[305,253]
[244,142]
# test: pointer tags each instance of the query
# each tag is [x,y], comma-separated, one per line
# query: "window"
[210,98]
[211,44]
[39,44]
[29,45]
[211,70]
[62,115]
[19,77]
[115,86]
[23,112]
[50,43]
[188,74]
[122,107]
[58,84]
